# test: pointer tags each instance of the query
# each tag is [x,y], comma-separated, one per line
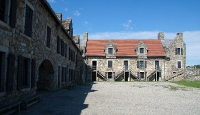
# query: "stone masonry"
[44,58]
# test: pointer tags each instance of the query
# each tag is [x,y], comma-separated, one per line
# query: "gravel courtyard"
[120,98]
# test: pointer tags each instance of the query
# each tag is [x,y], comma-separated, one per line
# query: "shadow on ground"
[62,102]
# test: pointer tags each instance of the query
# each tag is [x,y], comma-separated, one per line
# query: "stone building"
[130,60]
[37,51]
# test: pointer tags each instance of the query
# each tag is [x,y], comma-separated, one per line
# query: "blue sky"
[135,19]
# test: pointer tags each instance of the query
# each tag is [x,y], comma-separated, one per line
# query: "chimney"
[179,35]
[85,36]
[161,36]
[59,15]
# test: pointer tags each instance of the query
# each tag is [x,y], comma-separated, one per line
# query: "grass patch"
[175,88]
[195,84]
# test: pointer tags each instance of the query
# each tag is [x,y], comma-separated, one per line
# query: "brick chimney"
[161,36]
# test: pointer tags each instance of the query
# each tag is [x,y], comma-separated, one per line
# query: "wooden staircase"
[150,77]
[101,76]
[178,74]
[118,75]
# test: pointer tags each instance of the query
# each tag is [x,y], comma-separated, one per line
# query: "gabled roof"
[125,47]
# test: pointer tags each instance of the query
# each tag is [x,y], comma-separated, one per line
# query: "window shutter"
[20,72]
[181,51]
[10,72]
[176,51]
[62,47]
[28,21]
[28,72]
[145,64]
[33,65]
[48,36]
[65,50]
[137,64]
[62,74]
[2,74]
[138,74]
[58,76]
[58,45]
[13,13]
[69,54]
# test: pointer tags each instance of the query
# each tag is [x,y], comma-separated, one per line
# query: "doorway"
[94,76]
[126,76]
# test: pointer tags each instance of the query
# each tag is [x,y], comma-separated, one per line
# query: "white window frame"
[123,63]
[139,63]
[181,50]
[92,62]
[155,63]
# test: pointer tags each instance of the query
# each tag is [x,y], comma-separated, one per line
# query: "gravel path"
[120,98]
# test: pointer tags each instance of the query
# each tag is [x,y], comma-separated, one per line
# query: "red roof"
[125,47]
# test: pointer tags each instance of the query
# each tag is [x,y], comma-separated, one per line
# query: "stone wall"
[14,41]
[102,66]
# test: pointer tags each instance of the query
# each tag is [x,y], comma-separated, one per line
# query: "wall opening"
[46,76]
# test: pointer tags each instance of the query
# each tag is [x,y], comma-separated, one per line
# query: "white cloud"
[128,25]
[77,13]
[191,38]
[66,9]
[52,1]
[87,25]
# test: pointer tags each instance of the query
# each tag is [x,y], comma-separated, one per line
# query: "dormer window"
[141,50]
[110,50]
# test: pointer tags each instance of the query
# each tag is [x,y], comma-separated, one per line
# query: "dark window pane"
[28,21]
[110,50]
[179,64]
[109,64]
[2,10]
[141,50]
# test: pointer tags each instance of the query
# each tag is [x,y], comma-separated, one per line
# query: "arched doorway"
[46,76]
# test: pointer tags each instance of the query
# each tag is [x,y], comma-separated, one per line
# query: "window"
[71,55]
[62,47]
[28,21]
[10,72]
[24,72]
[63,74]
[109,64]
[8,10]
[179,51]
[2,71]
[58,45]
[94,65]
[48,36]
[126,65]
[109,74]
[141,64]
[110,50]
[141,50]
[179,65]
[141,75]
